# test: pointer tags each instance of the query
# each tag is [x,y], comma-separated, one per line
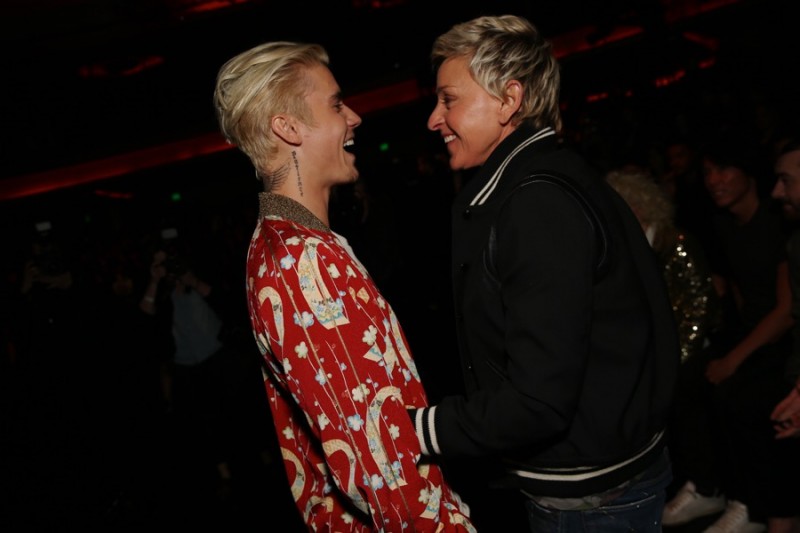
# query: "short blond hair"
[504,48]
[258,84]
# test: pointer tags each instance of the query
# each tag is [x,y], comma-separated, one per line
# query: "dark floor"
[149,484]
[154,484]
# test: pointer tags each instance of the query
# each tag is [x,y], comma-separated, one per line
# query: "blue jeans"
[637,510]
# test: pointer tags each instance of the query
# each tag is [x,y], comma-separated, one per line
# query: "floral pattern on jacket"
[340,379]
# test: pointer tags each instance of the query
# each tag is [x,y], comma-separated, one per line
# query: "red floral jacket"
[340,379]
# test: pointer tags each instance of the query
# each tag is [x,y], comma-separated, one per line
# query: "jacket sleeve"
[336,352]
[545,265]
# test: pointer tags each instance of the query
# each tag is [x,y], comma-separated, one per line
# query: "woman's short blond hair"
[258,84]
[504,48]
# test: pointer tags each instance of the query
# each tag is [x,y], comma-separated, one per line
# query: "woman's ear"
[285,127]
[512,101]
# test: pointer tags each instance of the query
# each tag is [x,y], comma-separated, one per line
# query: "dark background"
[86,80]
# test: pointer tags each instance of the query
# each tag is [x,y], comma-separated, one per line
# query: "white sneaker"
[688,505]
[735,519]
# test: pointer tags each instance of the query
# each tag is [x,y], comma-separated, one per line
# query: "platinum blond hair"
[504,48]
[648,200]
[258,84]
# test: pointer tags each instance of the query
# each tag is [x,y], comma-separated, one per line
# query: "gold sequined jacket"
[694,300]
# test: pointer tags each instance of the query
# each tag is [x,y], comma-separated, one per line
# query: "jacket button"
[466,214]
[463,267]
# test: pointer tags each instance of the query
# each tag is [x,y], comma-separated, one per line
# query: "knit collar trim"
[276,205]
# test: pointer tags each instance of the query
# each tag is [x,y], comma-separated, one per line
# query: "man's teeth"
[349,142]
[449,138]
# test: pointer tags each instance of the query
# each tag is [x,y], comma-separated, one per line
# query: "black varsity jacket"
[569,372]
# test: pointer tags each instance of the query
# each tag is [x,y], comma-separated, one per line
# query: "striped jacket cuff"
[426,430]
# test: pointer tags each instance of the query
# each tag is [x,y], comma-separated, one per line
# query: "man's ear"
[286,128]
[512,100]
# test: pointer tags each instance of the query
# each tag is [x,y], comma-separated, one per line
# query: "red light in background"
[663,81]
[114,194]
[27,185]
[400,93]
[105,70]
[578,41]
[186,7]
[596,97]
[703,40]
[707,63]
[676,10]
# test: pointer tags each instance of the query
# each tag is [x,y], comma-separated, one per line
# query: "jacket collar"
[521,139]
[275,205]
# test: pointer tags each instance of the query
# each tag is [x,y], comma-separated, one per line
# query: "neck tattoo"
[297,169]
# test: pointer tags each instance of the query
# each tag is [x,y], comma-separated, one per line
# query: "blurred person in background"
[192,325]
[686,269]
[786,414]
[54,392]
[787,191]
[735,465]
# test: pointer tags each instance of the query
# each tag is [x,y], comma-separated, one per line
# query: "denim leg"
[638,510]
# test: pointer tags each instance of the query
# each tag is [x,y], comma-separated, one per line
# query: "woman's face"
[471,121]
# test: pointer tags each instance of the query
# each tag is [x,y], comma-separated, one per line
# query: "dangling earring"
[297,169]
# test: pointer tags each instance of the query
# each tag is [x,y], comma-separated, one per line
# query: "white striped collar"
[491,184]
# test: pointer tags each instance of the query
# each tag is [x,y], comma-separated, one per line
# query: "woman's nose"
[435,119]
